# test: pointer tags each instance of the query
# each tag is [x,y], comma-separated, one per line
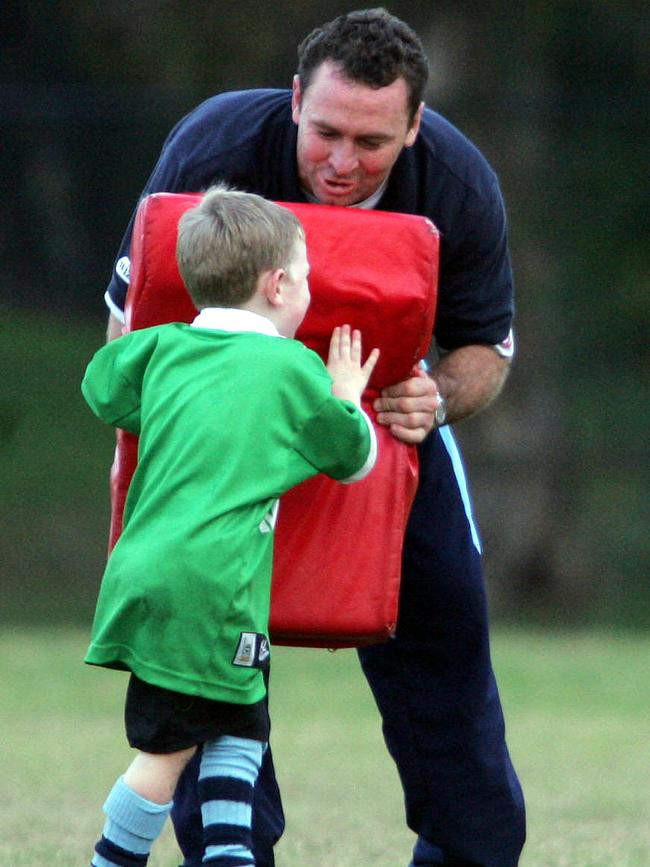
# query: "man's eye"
[327,134]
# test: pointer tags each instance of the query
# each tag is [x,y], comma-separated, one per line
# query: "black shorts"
[160,720]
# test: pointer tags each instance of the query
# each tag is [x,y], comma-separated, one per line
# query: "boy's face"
[295,289]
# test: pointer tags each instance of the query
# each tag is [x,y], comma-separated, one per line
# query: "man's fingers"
[416,386]
[422,404]
[409,420]
[407,435]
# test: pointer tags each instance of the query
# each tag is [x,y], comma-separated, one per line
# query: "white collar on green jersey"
[234,319]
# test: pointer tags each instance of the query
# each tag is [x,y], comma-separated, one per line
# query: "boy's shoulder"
[148,332]
[297,353]
[282,356]
[293,352]
[284,359]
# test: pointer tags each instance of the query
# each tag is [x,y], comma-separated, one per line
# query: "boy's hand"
[349,376]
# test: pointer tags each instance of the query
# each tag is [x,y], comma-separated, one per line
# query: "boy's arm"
[349,379]
[371,460]
[339,438]
[113,380]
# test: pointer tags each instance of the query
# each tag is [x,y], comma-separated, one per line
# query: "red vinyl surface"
[338,547]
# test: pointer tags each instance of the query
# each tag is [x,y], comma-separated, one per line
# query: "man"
[354,132]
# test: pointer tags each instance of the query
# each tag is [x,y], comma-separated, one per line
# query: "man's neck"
[367,204]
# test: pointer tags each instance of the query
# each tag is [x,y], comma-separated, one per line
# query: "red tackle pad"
[338,547]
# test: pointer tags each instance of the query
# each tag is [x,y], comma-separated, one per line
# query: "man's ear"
[271,286]
[414,129]
[296,98]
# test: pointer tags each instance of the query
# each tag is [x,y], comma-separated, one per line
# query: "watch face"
[441,411]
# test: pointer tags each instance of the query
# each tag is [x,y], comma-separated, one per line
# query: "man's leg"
[268,818]
[435,688]
[229,768]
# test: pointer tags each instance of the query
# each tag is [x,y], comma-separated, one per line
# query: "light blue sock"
[229,768]
[132,824]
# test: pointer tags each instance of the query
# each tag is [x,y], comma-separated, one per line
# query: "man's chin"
[328,194]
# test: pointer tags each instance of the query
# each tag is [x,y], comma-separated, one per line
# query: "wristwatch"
[440,414]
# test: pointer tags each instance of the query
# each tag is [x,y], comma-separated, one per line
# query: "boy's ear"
[271,286]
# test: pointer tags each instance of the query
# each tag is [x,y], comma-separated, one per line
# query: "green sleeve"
[112,384]
[335,439]
[332,434]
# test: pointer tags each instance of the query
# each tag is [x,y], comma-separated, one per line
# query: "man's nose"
[343,158]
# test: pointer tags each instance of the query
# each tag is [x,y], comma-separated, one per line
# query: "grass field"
[577,707]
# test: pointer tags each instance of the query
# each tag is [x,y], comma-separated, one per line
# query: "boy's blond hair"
[228,240]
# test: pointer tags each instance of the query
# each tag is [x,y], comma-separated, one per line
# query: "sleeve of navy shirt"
[476,286]
[446,178]
[232,137]
[475,300]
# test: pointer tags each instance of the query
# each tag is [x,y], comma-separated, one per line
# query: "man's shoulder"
[442,176]
[233,136]
[448,149]
[242,110]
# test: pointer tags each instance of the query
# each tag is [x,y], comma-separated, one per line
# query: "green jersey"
[227,421]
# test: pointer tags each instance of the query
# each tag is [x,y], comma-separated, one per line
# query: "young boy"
[229,417]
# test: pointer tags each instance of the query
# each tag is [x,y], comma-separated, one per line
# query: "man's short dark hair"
[372,47]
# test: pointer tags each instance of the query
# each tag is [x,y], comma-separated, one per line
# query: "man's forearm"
[469,378]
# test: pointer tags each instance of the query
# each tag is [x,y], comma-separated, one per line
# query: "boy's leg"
[268,816]
[136,809]
[132,825]
[229,769]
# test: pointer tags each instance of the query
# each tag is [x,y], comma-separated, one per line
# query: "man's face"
[349,134]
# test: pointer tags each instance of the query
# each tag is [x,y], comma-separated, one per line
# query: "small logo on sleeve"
[123,268]
[253,651]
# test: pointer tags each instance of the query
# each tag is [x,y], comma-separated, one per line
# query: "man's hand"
[408,407]
[469,378]
[349,376]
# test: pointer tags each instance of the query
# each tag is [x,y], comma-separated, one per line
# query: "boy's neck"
[235,319]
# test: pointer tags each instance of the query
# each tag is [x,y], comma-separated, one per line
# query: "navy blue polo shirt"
[248,140]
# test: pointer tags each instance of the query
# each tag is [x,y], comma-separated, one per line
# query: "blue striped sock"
[132,824]
[229,768]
